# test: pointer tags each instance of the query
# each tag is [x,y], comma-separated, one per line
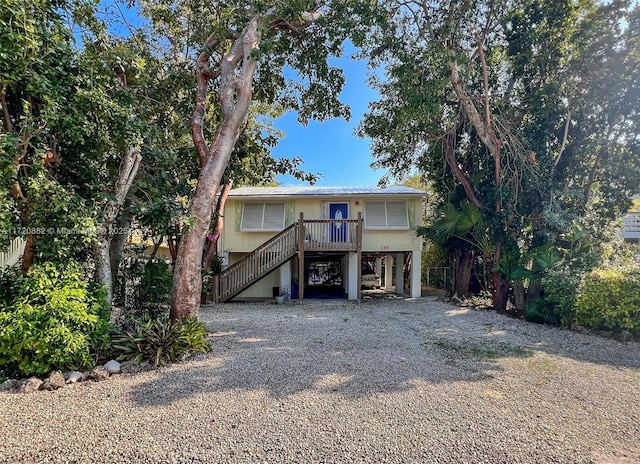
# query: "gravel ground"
[339,382]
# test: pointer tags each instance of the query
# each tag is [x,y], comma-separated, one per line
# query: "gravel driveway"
[382,381]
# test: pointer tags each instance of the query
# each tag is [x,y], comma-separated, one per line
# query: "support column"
[399,259]
[416,274]
[353,283]
[301,267]
[379,266]
[359,256]
[388,272]
[285,278]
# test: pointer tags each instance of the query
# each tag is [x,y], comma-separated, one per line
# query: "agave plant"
[162,341]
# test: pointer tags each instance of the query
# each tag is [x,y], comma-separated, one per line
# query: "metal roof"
[323,191]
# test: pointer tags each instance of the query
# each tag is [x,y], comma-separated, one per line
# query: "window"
[386,215]
[263,216]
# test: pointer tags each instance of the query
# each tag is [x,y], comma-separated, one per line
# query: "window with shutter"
[375,215]
[263,216]
[397,217]
[386,215]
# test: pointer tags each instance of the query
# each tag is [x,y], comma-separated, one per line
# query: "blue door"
[338,232]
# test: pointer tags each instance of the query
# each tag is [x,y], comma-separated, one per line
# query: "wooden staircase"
[257,264]
[316,235]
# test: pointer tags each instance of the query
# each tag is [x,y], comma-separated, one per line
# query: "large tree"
[522,109]
[274,52]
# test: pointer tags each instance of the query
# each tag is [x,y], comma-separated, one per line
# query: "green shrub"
[557,306]
[147,287]
[55,320]
[9,282]
[162,341]
[610,300]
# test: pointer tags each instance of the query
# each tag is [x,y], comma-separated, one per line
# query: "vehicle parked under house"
[312,241]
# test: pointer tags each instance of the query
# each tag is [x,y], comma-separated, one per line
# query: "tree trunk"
[463,273]
[187,277]
[126,174]
[450,157]
[116,249]
[211,246]
[235,93]
[519,296]
[534,291]
[173,248]
[499,284]
[500,292]
[103,263]
[27,254]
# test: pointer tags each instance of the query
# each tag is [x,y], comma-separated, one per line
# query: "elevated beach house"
[318,242]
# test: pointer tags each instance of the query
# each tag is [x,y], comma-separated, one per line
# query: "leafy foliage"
[54,320]
[162,341]
[556,87]
[145,287]
[557,307]
[610,299]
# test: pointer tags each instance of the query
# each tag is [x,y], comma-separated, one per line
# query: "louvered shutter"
[273,216]
[397,217]
[252,216]
[375,214]
[386,215]
[263,216]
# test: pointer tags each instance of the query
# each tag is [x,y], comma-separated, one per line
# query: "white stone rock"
[113,367]
[74,377]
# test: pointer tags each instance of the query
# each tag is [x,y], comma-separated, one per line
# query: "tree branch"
[228,67]
[488,124]
[126,175]
[485,132]
[450,156]
[296,27]
[18,195]
[565,138]
[5,111]
[218,225]
[204,75]
[243,83]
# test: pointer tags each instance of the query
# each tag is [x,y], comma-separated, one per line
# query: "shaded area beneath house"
[324,292]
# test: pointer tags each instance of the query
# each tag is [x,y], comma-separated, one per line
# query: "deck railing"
[330,234]
[632,225]
[13,253]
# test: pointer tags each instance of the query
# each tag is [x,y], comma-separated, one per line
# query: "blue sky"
[331,148]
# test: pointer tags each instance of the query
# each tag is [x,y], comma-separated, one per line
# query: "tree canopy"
[524,109]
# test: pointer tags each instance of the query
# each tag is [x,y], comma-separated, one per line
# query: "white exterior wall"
[285,277]
[261,289]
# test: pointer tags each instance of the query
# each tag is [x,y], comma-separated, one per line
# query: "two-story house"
[310,241]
